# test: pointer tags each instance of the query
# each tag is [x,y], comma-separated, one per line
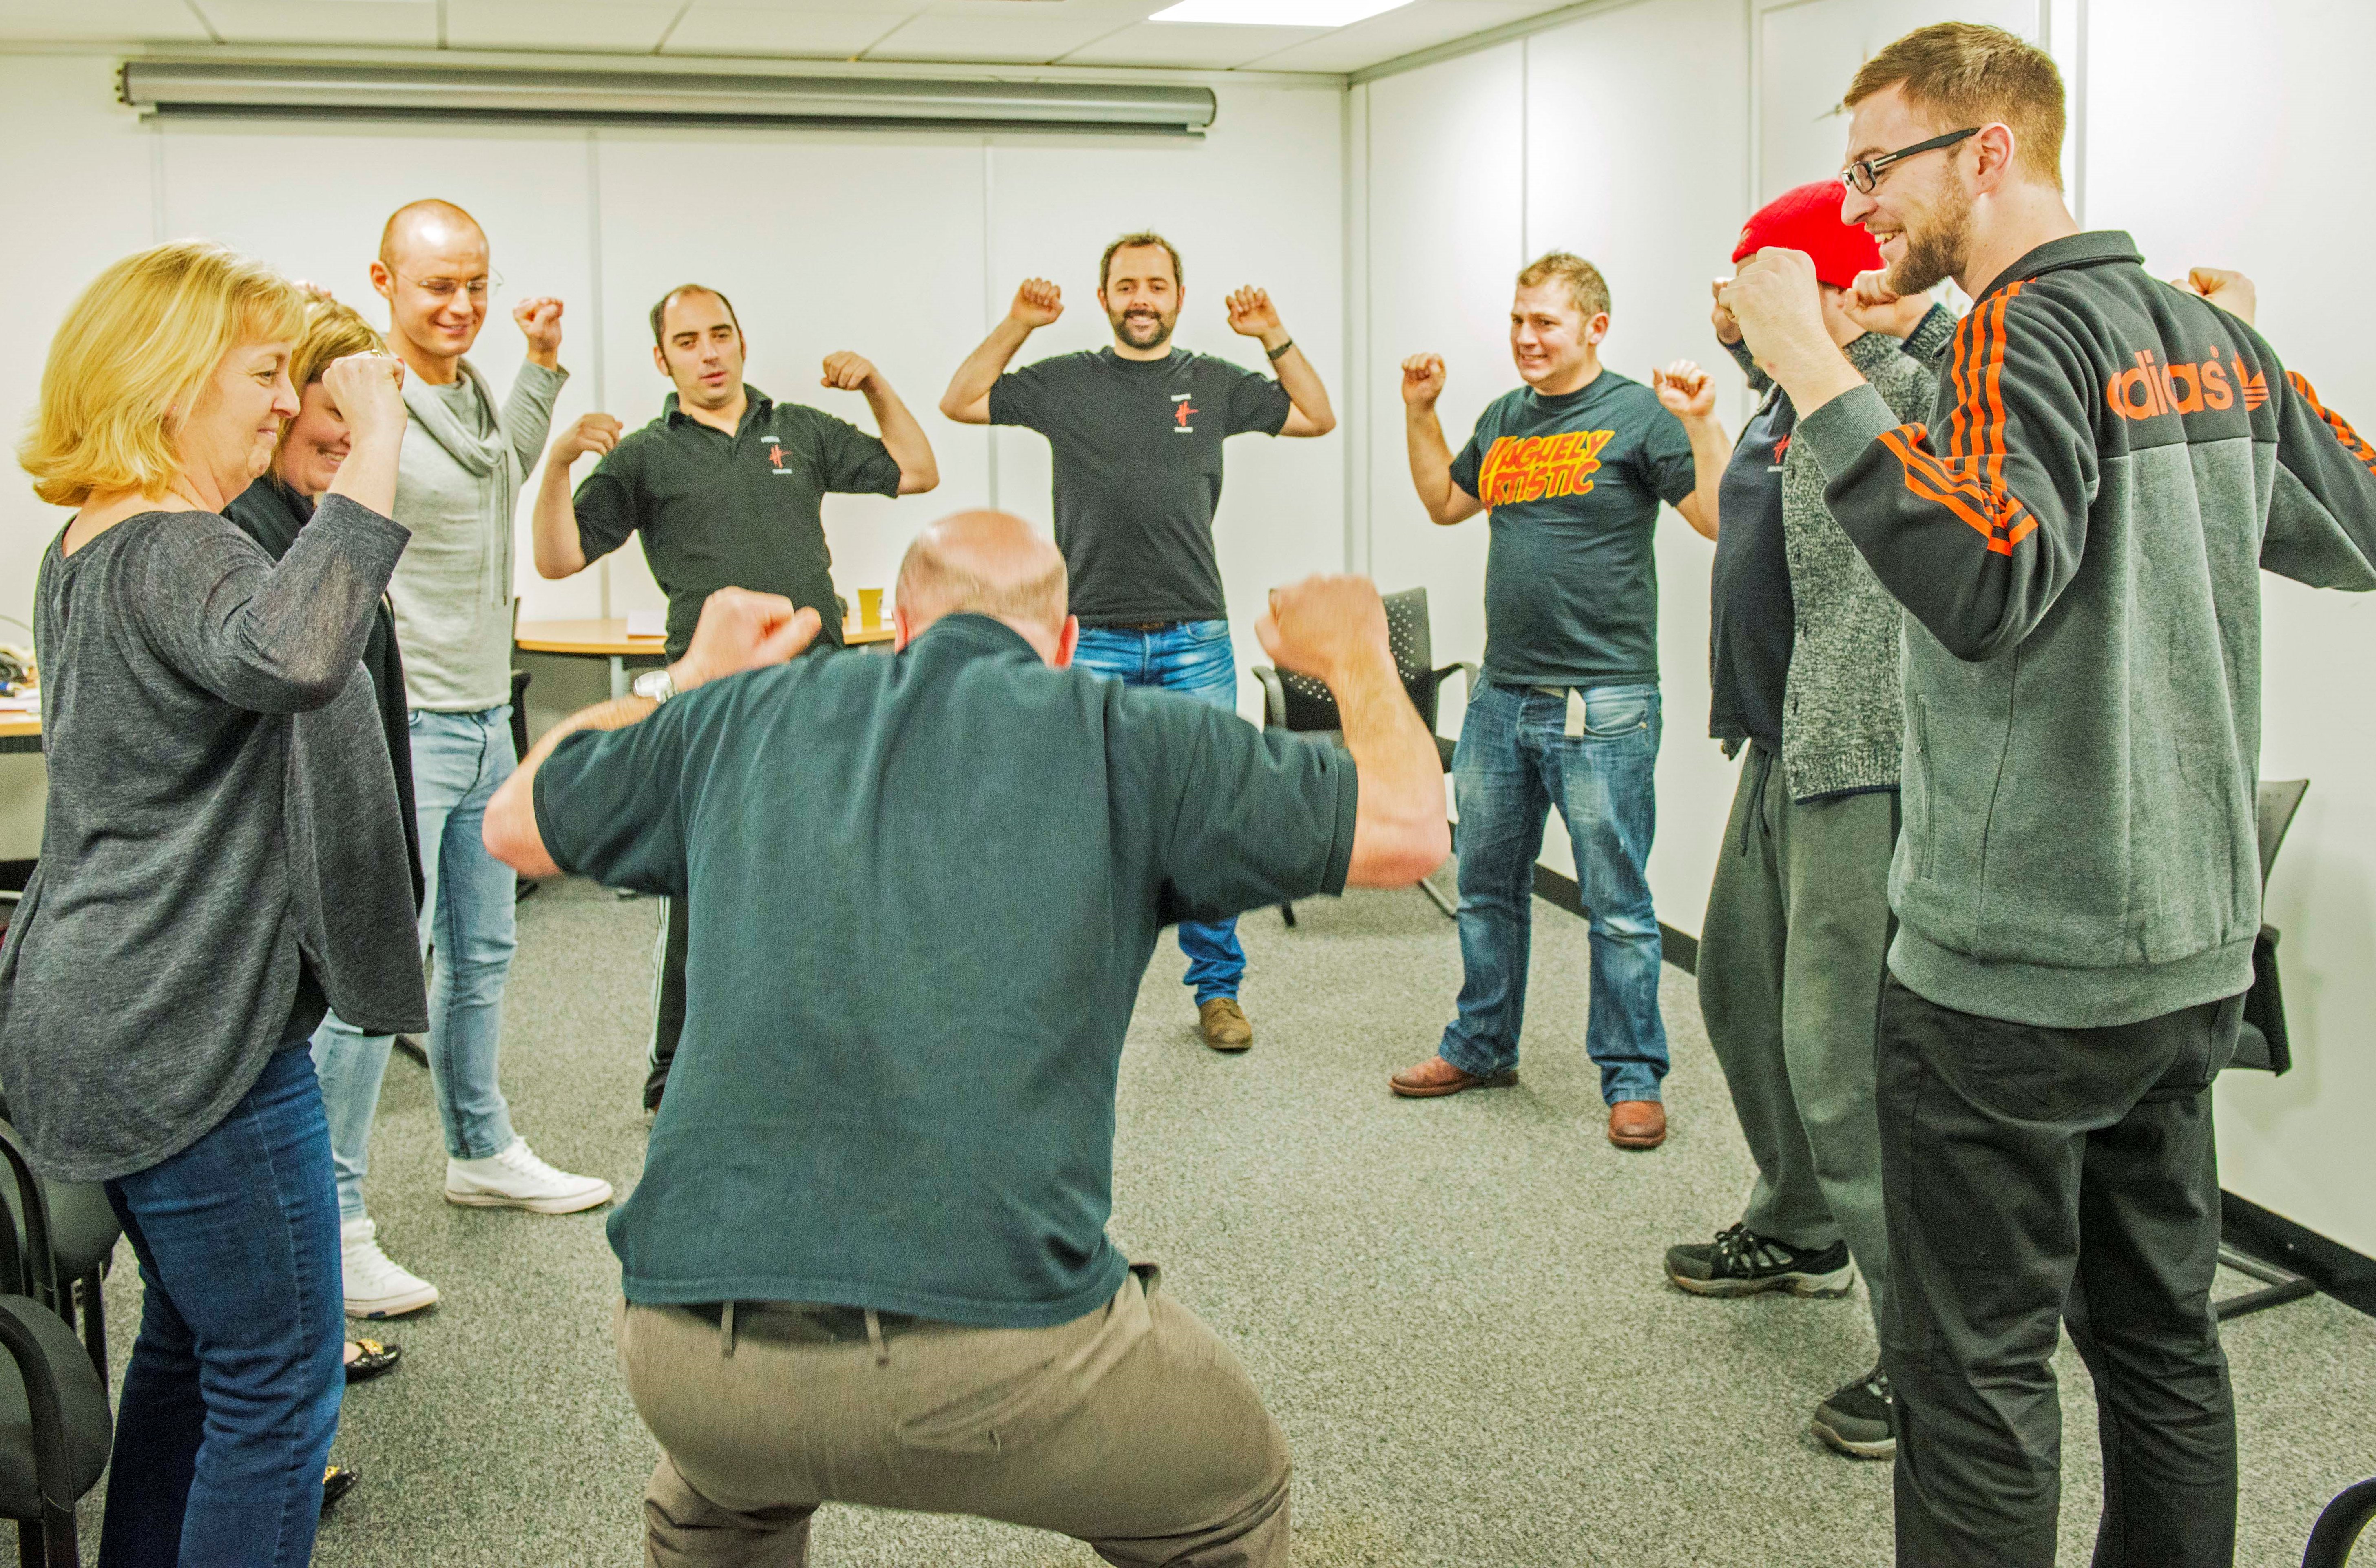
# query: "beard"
[1144,328]
[1936,251]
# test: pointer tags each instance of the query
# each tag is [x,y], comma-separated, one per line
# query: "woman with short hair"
[222,860]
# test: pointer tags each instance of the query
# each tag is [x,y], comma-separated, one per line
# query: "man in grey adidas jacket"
[458,481]
[1803,671]
[2077,540]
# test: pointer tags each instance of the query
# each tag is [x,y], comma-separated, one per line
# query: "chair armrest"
[1469,675]
[1273,697]
[37,1269]
[47,1358]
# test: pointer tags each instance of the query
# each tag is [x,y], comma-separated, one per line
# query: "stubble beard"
[1127,328]
[1938,249]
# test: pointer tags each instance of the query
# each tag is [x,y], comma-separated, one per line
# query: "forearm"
[1711,454]
[1401,830]
[1431,464]
[1303,388]
[288,640]
[529,410]
[509,830]
[559,552]
[1813,373]
[367,476]
[902,438]
[980,371]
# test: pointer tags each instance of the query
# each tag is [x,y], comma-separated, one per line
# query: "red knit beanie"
[1808,218]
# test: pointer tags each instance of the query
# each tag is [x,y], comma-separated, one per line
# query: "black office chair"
[2262,1045]
[82,1230]
[54,1426]
[1306,706]
[2330,1538]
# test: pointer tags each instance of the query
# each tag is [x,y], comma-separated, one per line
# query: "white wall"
[902,246]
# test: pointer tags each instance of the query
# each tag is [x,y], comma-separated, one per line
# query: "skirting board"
[1681,948]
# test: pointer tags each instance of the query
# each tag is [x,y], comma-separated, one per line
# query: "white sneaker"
[376,1287]
[517,1179]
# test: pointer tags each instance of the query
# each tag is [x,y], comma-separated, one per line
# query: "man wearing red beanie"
[1804,663]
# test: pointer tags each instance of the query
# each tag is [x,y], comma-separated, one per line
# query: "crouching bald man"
[867,1260]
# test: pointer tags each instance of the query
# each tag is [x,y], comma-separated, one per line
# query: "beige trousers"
[1132,1428]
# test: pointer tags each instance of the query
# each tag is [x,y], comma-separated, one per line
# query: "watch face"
[655,685]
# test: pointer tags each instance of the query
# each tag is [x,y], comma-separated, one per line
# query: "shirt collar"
[2093,248]
[977,635]
[757,405]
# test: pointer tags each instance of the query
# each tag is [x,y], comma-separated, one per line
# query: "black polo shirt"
[1753,620]
[923,893]
[741,511]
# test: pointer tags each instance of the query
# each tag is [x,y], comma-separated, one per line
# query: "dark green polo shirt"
[922,893]
[741,511]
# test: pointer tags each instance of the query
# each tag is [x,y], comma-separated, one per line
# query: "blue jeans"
[231,1398]
[1192,657]
[1514,764]
[467,914]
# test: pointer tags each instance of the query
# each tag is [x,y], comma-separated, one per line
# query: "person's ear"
[902,629]
[659,360]
[382,281]
[1994,160]
[1596,328]
[1068,642]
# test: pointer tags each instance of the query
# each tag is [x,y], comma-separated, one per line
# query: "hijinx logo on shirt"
[1180,412]
[1529,468]
[775,454]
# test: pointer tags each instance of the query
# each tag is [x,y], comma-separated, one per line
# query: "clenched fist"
[1250,312]
[1423,381]
[846,371]
[592,433]
[1326,625]
[540,322]
[368,392]
[2231,291]
[1685,390]
[1038,304]
[740,630]
[1728,330]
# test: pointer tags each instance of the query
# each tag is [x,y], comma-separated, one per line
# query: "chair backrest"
[1310,705]
[2279,799]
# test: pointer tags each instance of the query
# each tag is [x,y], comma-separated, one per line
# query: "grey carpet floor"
[1454,1308]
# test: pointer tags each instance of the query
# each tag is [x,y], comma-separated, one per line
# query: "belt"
[1143,625]
[804,1319]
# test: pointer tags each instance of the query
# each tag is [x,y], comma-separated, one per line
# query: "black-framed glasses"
[1864,174]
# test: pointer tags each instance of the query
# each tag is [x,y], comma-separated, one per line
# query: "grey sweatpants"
[1792,956]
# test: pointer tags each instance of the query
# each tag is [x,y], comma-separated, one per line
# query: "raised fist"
[1038,304]
[592,433]
[1422,380]
[1252,313]
[1727,330]
[1685,390]
[846,371]
[2231,291]
[368,392]
[540,323]
[1322,625]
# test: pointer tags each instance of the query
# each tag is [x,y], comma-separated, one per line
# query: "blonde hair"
[131,357]
[1963,74]
[1585,284]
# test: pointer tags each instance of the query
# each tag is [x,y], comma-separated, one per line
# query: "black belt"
[1144,625]
[802,1319]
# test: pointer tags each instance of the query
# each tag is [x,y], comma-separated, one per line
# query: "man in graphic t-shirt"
[1572,469]
[1135,431]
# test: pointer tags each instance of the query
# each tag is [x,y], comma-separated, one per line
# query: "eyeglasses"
[443,290]
[1863,175]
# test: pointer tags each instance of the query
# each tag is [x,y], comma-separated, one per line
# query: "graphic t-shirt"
[1574,484]
[1753,617]
[732,511]
[1136,446]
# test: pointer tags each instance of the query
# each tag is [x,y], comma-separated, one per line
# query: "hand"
[1775,298]
[2231,291]
[1728,330]
[1870,304]
[1326,625]
[592,433]
[1038,304]
[368,392]
[845,372]
[1423,381]
[1685,390]
[312,290]
[540,323]
[740,630]
[1251,315]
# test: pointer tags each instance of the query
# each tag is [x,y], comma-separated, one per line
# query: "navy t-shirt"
[1753,618]
[922,893]
[1574,484]
[1136,446]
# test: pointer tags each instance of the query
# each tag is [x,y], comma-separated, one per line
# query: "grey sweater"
[1843,715]
[456,489]
[221,812]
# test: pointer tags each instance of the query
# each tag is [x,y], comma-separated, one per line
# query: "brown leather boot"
[1224,1024]
[1637,1123]
[1436,1076]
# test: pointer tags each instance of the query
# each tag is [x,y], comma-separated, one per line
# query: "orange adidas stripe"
[1969,481]
[2335,422]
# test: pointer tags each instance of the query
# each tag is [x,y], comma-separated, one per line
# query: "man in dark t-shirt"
[876,1195]
[1135,432]
[1572,469]
[726,488]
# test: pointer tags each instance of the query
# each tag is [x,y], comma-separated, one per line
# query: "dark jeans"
[668,1000]
[2031,1176]
[231,1398]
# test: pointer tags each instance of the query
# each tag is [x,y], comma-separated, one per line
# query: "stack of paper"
[648,623]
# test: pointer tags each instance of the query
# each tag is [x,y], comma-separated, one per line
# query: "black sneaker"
[1741,1262]
[1858,1419]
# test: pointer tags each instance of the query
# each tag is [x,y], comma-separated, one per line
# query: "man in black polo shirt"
[867,1260]
[725,487]
[1135,431]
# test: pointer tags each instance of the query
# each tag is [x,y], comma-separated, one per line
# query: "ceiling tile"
[608,25]
[402,23]
[1403,30]
[780,30]
[125,21]
[1022,30]
[1189,44]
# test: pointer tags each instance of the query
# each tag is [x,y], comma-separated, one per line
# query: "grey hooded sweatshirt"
[457,485]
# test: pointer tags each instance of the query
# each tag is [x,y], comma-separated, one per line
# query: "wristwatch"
[656,684]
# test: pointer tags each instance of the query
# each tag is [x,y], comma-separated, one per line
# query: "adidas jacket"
[2077,548]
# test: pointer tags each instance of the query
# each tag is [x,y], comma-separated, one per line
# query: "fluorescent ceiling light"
[1277,13]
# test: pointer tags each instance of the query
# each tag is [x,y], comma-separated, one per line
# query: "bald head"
[984,564]
[429,227]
